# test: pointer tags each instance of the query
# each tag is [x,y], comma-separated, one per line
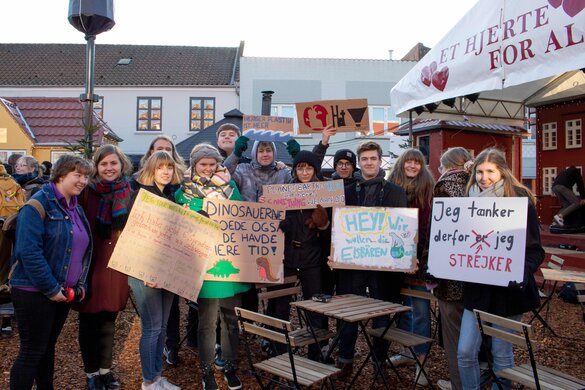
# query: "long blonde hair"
[419,188]
[156,160]
[512,187]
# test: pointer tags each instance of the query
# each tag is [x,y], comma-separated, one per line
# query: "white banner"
[479,240]
[497,44]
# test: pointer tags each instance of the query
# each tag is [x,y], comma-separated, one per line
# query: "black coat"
[303,246]
[508,301]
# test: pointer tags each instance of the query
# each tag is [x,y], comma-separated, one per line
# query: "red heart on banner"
[555,3]
[440,78]
[573,7]
[426,75]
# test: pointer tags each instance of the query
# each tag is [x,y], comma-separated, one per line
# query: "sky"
[364,29]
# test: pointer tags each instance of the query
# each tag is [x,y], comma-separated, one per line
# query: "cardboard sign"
[299,196]
[374,238]
[479,240]
[268,128]
[166,244]
[344,115]
[251,247]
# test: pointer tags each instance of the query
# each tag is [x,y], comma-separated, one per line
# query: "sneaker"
[346,369]
[421,380]
[559,220]
[166,385]
[232,380]
[209,382]
[6,331]
[172,355]
[219,364]
[110,380]
[443,384]
[94,382]
[402,359]
[156,385]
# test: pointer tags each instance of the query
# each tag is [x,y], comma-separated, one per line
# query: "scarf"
[497,190]
[23,178]
[450,172]
[114,201]
[214,187]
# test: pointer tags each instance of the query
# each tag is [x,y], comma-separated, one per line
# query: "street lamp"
[91,17]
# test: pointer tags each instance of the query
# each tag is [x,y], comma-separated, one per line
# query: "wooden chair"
[433,304]
[546,295]
[296,370]
[580,287]
[264,295]
[530,375]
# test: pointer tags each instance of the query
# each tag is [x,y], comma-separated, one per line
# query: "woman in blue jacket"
[51,260]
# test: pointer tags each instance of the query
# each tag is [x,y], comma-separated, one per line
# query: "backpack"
[568,293]
[7,240]
[12,196]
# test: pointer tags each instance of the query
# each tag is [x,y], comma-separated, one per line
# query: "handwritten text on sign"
[251,247]
[268,128]
[166,244]
[479,240]
[374,238]
[299,196]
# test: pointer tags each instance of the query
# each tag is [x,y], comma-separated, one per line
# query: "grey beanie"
[204,151]
[228,126]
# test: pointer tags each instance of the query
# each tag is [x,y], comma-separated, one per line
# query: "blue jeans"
[418,320]
[469,345]
[154,305]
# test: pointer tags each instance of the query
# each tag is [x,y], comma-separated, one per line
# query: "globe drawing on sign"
[357,114]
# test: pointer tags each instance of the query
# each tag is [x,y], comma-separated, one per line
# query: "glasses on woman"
[305,169]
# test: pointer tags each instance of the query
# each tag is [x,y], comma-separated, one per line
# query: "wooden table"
[560,275]
[352,309]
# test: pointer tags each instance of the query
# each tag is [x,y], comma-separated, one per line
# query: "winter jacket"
[42,252]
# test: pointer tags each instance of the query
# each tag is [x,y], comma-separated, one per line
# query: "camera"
[321,298]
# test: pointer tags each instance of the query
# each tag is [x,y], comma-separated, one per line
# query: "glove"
[292,147]
[241,145]
[318,219]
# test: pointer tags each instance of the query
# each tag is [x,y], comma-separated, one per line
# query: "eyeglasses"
[344,164]
[305,169]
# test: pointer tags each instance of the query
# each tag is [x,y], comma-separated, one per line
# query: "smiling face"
[72,184]
[163,175]
[109,168]
[265,155]
[226,140]
[344,168]
[487,174]
[370,164]
[412,168]
[206,166]
[21,168]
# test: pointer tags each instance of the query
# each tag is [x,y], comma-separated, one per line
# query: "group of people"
[61,255]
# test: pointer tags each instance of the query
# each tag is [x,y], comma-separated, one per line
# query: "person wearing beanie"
[304,231]
[344,163]
[211,180]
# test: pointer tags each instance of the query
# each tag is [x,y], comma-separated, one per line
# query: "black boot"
[208,378]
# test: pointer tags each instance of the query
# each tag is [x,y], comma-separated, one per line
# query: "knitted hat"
[304,156]
[228,126]
[344,154]
[204,151]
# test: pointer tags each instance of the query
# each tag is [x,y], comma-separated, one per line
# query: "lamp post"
[91,17]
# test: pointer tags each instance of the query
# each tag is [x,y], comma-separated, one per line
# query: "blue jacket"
[42,252]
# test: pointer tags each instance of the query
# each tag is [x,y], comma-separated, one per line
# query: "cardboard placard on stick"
[166,244]
[479,240]
[374,238]
[268,128]
[251,248]
[345,115]
[297,196]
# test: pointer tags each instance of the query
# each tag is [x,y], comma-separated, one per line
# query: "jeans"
[469,345]
[154,305]
[418,320]
[96,339]
[230,334]
[40,321]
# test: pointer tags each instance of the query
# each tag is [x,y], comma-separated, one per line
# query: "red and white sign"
[498,44]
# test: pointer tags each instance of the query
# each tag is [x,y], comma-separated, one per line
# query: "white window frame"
[548,177]
[5,153]
[549,136]
[573,133]
[55,154]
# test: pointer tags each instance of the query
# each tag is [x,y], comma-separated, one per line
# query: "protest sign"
[251,247]
[374,238]
[344,115]
[268,128]
[479,240]
[299,196]
[166,244]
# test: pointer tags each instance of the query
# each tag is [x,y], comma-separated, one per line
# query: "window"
[149,114]
[573,134]
[548,176]
[55,155]
[382,121]
[3,135]
[287,111]
[202,113]
[423,143]
[549,136]
[5,153]
[98,107]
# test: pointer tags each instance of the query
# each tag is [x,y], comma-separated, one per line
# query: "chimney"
[266,102]
[390,53]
